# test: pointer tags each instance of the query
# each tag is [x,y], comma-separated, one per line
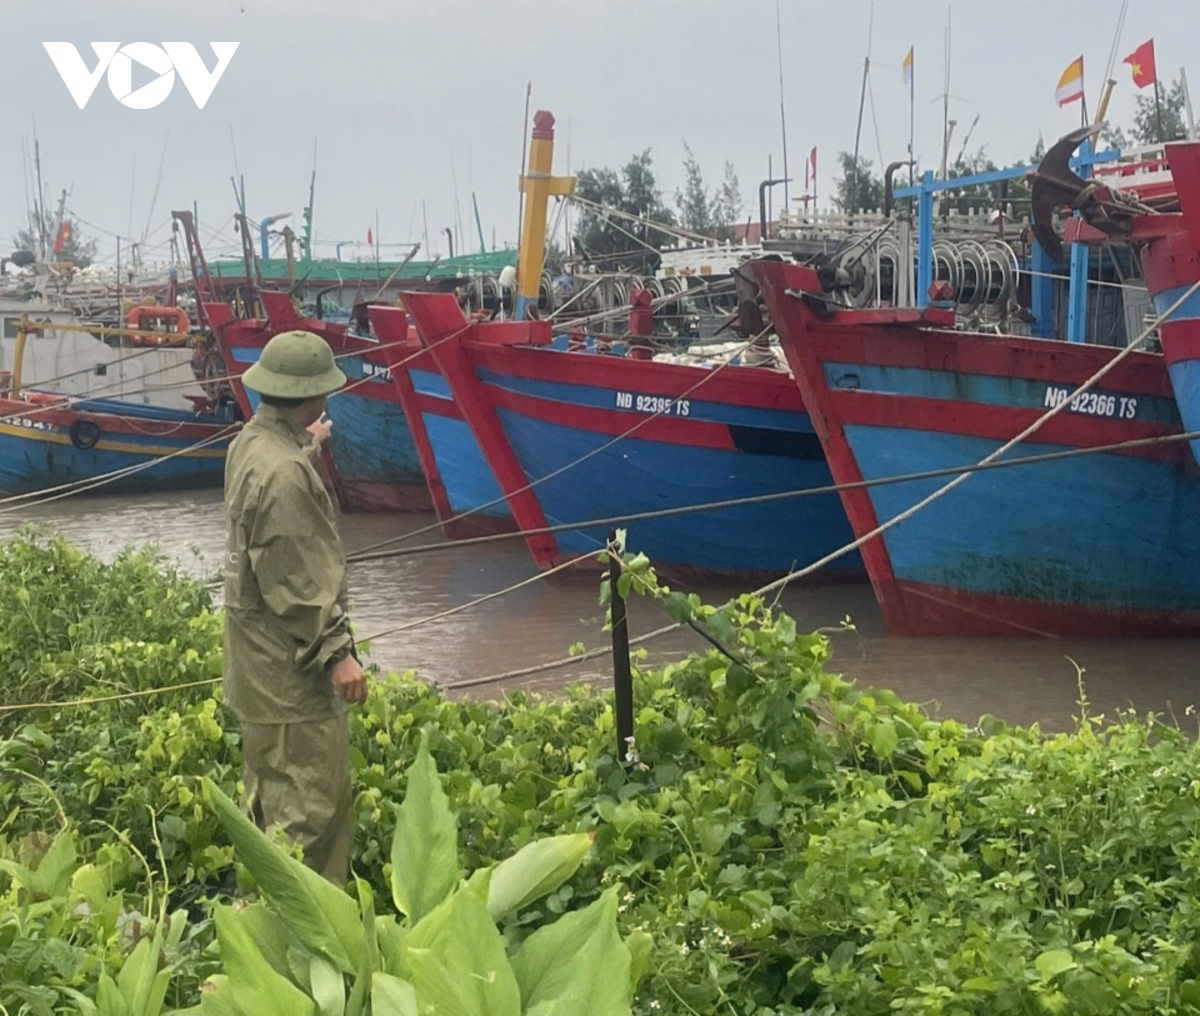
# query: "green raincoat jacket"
[286,618]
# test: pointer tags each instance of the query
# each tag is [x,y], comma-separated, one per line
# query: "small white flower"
[1031,810]
[1160,772]
[684,950]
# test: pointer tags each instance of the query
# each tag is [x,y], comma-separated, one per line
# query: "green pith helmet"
[295,365]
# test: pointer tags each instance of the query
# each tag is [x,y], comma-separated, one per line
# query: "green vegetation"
[781,841]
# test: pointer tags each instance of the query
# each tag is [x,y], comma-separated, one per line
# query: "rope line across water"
[644,421]
[358,557]
[854,545]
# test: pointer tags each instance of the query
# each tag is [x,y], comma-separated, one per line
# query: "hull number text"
[663,404]
[377,372]
[1116,407]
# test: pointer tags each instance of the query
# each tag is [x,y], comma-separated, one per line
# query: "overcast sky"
[403,95]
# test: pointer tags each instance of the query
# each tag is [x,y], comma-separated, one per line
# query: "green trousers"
[298,779]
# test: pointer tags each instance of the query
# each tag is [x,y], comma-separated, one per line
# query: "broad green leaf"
[269,933]
[577,966]
[318,913]
[54,870]
[1053,962]
[86,1006]
[721,628]
[216,998]
[109,1000]
[178,925]
[21,875]
[158,992]
[536,869]
[982,984]
[480,882]
[390,936]
[425,844]
[641,952]
[884,739]
[366,906]
[88,885]
[254,988]
[390,996]
[679,607]
[328,987]
[137,975]
[360,993]
[457,963]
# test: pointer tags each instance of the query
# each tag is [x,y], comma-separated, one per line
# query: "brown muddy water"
[1020,680]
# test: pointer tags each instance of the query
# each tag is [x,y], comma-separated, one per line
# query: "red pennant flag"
[1141,60]
[370,238]
[63,238]
[812,158]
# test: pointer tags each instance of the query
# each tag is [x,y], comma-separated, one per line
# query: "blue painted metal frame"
[1042,292]
[925,191]
[1077,295]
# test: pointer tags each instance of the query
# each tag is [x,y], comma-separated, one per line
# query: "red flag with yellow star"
[1142,62]
[63,238]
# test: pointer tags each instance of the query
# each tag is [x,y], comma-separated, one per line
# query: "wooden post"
[622,672]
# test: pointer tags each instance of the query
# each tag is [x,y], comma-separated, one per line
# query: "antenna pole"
[782,115]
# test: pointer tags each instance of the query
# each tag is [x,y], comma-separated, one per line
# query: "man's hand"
[350,680]
[320,429]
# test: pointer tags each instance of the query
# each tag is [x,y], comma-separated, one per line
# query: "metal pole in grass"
[622,672]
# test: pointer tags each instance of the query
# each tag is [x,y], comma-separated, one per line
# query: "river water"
[1020,680]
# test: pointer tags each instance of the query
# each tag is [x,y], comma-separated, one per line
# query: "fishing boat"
[74,356]
[1105,543]
[47,442]
[574,437]
[578,440]
[1171,262]
[464,491]
[373,463]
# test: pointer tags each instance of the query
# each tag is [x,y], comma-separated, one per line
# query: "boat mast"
[862,105]
[41,214]
[537,185]
[306,243]
[782,115]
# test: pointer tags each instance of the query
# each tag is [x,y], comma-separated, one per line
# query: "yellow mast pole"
[538,185]
[18,359]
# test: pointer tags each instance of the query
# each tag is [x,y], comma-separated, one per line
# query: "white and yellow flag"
[906,67]
[1070,85]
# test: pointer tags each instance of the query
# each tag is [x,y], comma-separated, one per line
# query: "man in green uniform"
[289,654]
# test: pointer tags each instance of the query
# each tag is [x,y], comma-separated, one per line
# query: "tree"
[857,192]
[616,241]
[77,249]
[1145,120]
[727,205]
[695,212]
[715,215]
